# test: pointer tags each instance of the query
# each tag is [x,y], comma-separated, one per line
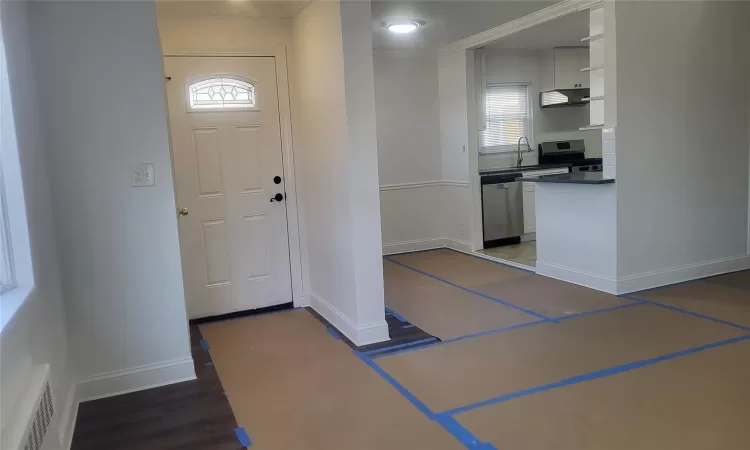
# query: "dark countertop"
[572,178]
[524,169]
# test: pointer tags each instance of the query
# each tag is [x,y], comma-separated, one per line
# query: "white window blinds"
[507,117]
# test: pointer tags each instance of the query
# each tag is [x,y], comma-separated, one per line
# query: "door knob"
[183,211]
[278,197]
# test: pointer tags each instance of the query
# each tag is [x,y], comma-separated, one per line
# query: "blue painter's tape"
[243,437]
[402,390]
[502,302]
[399,317]
[685,311]
[208,364]
[448,341]
[597,311]
[447,422]
[463,435]
[408,326]
[392,347]
[204,344]
[593,375]
[333,333]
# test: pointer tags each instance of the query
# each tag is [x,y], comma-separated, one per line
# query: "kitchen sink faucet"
[520,154]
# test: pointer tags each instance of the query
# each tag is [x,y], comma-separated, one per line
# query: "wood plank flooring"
[190,415]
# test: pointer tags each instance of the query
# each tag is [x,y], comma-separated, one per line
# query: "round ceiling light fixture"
[402,26]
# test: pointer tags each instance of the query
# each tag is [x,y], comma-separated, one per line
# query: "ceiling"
[245,8]
[566,31]
[446,20]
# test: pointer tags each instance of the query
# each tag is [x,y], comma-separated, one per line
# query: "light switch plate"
[142,175]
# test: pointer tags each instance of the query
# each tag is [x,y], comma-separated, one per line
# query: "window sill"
[11,302]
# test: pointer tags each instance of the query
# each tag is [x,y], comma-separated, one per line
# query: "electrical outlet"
[461,229]
[142,175]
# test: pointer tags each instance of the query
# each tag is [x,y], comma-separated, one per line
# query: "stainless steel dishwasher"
[502,209]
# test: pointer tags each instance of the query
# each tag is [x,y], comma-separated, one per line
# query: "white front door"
[226,144]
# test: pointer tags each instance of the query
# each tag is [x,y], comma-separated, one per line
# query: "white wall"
[335,138]
[682,140]
[407,105]
[549,124]
[191,32]
[102,87]
[408,133]
[36,335]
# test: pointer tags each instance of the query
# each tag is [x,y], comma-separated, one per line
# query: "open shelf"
[592,127]
[593,68]
[592,38]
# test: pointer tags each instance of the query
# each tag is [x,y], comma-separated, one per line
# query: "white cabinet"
[568,62]
[529,202]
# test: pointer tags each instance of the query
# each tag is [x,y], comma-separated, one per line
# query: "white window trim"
[497,149]
[9,275]
[13,216]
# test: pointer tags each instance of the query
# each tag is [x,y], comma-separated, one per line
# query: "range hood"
[564,97]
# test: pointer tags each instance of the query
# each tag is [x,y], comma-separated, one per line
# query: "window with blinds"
[507,117]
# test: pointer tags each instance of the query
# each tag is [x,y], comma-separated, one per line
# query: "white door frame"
[295,225]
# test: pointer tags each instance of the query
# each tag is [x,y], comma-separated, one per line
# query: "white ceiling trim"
[514,26]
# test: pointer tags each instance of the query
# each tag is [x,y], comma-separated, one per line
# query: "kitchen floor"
[523,253]
[503,360]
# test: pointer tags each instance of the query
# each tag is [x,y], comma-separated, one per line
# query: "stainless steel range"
[568,152]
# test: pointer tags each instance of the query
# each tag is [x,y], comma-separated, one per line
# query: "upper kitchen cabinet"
[562,68]
[568,62]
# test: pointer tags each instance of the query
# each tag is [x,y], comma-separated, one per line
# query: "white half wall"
[682,140]
[576,243]
[335,138]
[101,81]
[36,335]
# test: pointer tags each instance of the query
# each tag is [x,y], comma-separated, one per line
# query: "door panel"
[226,151]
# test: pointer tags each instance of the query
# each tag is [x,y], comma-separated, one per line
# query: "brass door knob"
[183,211]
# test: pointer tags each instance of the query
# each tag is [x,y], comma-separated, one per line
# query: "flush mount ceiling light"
[402,26]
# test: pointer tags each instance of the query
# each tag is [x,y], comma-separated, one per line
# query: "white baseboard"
[413,246]
[649,280]
[359,334]
[303,301]
[68,418]
[457,244]
[587,279]
[136,379]
[419,245]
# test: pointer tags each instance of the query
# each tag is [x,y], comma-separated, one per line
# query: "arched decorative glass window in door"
[221,93]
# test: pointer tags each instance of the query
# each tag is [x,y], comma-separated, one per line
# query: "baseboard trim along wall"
[422,184]
[586,279]
[136,379]
[419,245]
[649,280]
[364,334]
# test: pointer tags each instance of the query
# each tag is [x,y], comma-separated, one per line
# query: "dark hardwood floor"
[190,415]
